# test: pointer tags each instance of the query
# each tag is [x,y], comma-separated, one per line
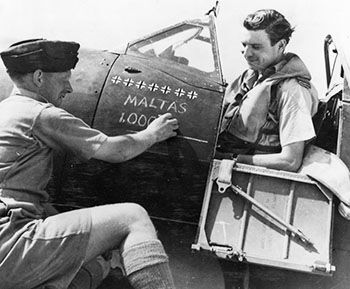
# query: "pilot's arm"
[289,159]
[124,147]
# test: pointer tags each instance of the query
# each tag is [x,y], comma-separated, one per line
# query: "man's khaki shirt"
[30,130]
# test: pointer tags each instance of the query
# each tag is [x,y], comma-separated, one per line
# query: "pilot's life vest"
[251,122]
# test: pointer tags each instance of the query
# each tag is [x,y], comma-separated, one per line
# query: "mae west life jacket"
[250,120]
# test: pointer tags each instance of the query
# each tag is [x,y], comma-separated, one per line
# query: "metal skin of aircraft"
[224,225]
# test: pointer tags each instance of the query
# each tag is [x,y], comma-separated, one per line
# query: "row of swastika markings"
[179,92]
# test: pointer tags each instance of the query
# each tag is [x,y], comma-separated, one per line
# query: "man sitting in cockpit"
[268,110]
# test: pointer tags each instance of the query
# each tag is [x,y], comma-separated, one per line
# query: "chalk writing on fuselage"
[143,120]
[156,103]
[136,119]
[158,98]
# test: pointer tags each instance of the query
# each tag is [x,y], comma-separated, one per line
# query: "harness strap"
[225,174]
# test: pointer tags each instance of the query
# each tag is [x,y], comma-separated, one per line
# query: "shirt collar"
[28,93]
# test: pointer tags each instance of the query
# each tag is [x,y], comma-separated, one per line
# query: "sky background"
[108,24]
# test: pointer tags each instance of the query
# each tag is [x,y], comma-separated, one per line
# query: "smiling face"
[258,51]
[55,86]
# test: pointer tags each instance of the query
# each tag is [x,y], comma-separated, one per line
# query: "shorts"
[43,253]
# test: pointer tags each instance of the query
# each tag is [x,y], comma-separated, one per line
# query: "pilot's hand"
[163,127]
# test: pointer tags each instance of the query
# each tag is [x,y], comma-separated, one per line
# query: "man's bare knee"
[139,220]
[138,225]
[118,224]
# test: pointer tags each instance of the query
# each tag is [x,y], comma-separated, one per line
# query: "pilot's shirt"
[289,118]
[30,130]
[296,107]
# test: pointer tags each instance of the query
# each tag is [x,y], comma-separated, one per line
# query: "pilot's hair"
[273,22]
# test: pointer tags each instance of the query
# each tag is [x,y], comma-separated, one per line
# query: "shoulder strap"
[272,112]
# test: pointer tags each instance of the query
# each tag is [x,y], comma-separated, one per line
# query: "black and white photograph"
[174,144]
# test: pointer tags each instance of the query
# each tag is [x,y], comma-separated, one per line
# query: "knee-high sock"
[147,267]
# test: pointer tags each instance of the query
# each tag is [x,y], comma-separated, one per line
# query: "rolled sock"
[147,266]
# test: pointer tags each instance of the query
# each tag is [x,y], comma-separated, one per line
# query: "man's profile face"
[258,51]
[55,86]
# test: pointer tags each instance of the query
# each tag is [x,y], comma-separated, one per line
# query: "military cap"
[49,56]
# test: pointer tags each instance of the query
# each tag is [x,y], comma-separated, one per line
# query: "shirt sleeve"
[61,130]
[295,113]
